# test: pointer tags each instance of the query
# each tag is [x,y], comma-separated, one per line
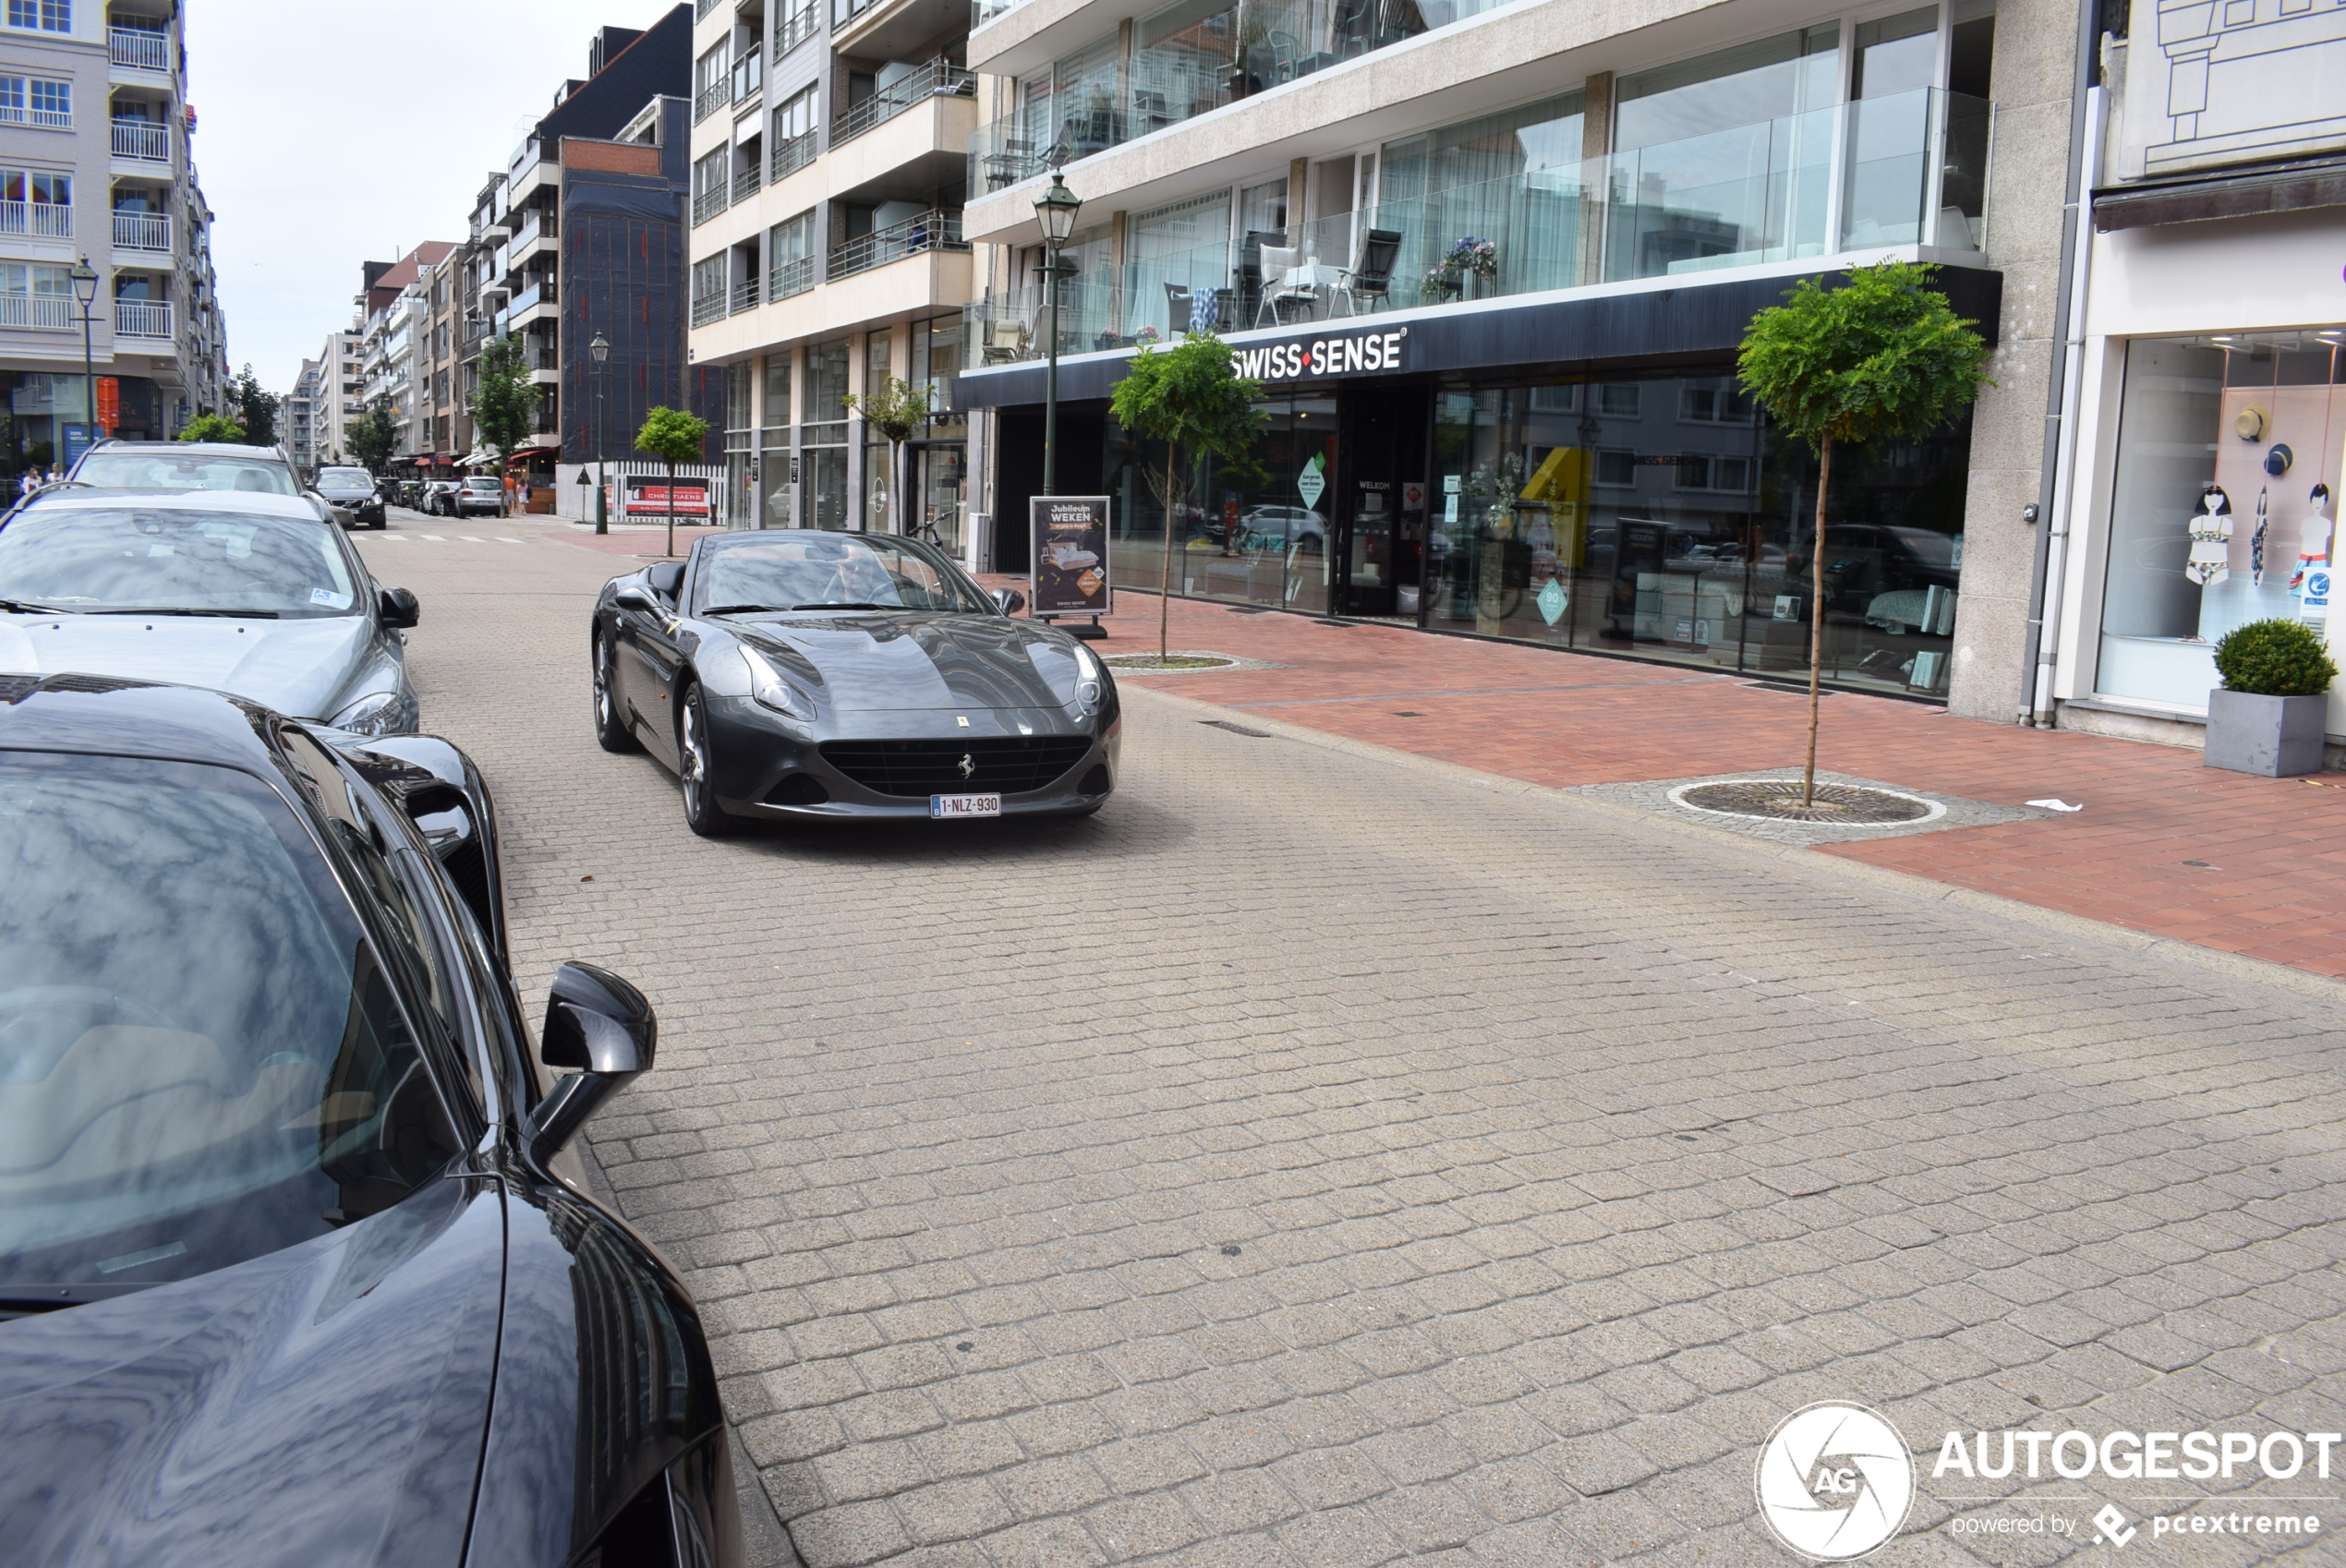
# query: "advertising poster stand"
[1069,536]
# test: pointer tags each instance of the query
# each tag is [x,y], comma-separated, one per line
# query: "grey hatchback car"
[246,592]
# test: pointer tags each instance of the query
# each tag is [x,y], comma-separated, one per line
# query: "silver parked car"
[246,592]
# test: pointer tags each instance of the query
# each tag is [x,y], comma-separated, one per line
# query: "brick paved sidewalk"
[2165,846]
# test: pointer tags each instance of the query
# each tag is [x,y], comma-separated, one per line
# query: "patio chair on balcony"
[1370,277]
[1281,295]
[1009,166]
[1008,342]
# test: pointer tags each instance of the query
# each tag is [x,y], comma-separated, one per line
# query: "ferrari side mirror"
[636,599]
[1010,600]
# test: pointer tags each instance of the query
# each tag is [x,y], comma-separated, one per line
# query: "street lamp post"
[601,350]
[85,289]
[1055,209]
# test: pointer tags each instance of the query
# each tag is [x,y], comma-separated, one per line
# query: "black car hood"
[318,1406]
[911,660]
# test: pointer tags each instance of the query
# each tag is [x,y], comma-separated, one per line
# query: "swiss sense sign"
[1348,354]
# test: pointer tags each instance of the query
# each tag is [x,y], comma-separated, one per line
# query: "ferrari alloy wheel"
[702,813]
[610,728]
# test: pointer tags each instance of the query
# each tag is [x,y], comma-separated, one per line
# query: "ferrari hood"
[906,662]
[322,1405]
[297,666]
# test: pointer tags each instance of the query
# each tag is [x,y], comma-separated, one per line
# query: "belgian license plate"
[965,805]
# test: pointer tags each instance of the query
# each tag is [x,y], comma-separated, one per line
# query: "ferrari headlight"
[377,713]
[768,686]
[1088,680]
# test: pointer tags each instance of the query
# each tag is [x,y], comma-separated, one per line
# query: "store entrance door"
[1380,541]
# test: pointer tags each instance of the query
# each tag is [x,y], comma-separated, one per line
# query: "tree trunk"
[1172,511]
[672,509]
[1817,619]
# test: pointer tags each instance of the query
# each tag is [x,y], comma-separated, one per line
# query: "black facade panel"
[1700,323]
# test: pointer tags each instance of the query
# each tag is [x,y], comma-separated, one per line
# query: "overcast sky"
[334,133]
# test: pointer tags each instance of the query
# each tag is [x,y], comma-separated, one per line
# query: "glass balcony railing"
[915,235]
[1250,48]
[1908,170]
[939,79]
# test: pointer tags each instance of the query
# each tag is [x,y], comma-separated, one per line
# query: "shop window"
[1617,468]
[1618,400]
[2227,469]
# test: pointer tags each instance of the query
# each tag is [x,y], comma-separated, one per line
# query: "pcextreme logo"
[1835,1481]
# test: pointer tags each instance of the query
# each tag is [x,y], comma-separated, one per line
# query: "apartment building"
[297,414]
[95,164]
[337,395]
[829,171]
[395,330]
[2203,406]
[581,236]
[1491,263]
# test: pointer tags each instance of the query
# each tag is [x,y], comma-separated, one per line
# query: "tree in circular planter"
[2269,716]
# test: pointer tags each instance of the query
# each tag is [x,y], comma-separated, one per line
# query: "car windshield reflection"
[164,471]
[831,572]
[187,563]
[201,1060]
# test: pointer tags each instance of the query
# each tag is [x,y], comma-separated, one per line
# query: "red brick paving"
[2276,848]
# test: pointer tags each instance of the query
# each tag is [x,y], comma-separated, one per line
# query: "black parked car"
[795,673]
[287,1273]
[351,492]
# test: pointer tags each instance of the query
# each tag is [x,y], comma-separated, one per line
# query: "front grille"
[998,764]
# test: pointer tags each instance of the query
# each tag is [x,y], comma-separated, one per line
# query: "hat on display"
[2278,458]
[2250,424]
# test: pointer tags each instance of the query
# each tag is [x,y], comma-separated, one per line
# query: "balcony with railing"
[706,204]
[939,79]
[542,291]
[793,25]
[916,236]
[42,220]
[1250,48]
[788,278]
[142,140]
[712,97]
[1903,171]
[142,231]
[710,308]
[789,156]
[138,49]
[49,312]
[702,7]
[744,296]
[141,318]
[747,181]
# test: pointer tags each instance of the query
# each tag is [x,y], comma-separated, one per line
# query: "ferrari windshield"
[201,1061]
[831,571]
[187,561]
[174,471]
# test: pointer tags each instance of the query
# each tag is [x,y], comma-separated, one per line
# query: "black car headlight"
[773,690]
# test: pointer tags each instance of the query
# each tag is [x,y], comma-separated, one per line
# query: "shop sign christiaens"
[1349,354]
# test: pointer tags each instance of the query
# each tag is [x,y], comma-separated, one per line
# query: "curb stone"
[1801,859]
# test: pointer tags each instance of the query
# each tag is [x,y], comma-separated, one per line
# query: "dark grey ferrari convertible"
[793,673]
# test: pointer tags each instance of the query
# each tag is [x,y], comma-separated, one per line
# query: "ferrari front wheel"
[702,813]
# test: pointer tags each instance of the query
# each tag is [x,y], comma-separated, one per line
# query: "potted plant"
[1472,259]
[2267,717]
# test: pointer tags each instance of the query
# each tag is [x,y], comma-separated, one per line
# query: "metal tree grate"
[1778,799]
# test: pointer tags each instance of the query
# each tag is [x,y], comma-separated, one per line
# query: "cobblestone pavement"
[1312,1161]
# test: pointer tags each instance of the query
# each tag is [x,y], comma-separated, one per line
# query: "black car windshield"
[831,571]
[346,479]
[200,1059]
[176,471]
[97,558]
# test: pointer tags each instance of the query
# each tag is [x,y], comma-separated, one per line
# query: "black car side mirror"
[636,599]
[599,1024]
[398,607]
[1010,600]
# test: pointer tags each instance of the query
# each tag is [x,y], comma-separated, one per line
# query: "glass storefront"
[1656,516]
[2223,496]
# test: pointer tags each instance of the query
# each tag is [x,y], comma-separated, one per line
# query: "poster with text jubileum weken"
[1069,537]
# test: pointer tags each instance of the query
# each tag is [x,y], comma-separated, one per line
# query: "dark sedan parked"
[351,492]
[288,1275]
[793,673]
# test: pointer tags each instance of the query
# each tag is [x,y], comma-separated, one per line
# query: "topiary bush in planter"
[2274,659]
[2268,715]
